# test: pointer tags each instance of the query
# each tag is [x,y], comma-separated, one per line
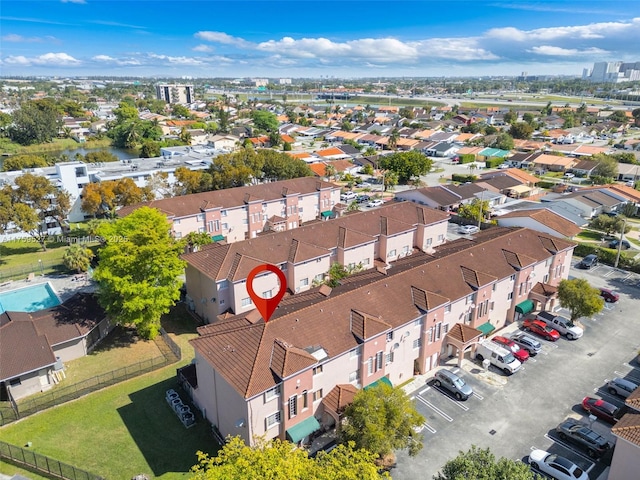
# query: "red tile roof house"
[237,213]
[216,274]
[281,379]
[32,343]
[541,220]
[626,456]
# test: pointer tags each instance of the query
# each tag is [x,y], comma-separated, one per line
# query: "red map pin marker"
[266,306]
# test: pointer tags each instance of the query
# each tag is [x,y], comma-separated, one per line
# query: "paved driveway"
[513,415]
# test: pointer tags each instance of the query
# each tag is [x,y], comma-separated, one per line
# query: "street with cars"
[535,408]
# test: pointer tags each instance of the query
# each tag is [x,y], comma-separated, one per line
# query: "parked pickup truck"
[563,325]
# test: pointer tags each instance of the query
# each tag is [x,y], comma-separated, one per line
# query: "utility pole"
[624,226]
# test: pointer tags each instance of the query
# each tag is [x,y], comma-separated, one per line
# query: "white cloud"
[565,52]
[74,1]
[48,59]
[223,38]
[14,38]
[177,60]
[202,48]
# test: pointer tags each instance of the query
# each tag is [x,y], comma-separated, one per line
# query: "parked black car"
[615,243]
[588,262]
[578,433]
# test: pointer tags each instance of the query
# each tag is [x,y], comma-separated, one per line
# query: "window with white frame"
[392,253]
[418,322]
[304,282]
[178,235]
[388,358]
[318,277]
[370,366]
[389,336]
[225,226]
[445,328]
[493,287]
[200,217]
[245,221]
[293,406]
[354,353]
[317,370]
[246,302]
[201,229]
[379,360]
[224,284]
[273,419]
[267,294]
[429,241]
[417,343]
[354,376]
[430,335]
[305,400]
[467,316]
[545,279]
[405,249]
[317,395]
[366,261]
[447,308]
[176,221]
[272,393]
[492,306]
[510,296]
[223,213]
[440,238]
[438,330]
[512,278]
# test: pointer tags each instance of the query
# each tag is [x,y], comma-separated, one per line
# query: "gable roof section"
[186,205]
[475,278]
[463,333]
[365,326]
[287,359]
[628,428]
[426,301]
[350,238]
[549,219]
[516,260]
[340,397]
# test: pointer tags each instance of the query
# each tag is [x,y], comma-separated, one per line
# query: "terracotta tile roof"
[464,333]
[340,397]
[549,219]
[242,355]
[554,160]
[633,400]
[287,359]
[522,175]
[187,205]
[390,226]
[287,138]
[22,349]
[628,428]
[475,278]
[329,152]
[544,289]
[301,155]
[630,193]
[216,260]
[426,301]
[517,260]
[441,195]
[350,238]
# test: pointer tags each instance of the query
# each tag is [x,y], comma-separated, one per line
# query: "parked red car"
[601,409]
[520,353]
[540,328]
[609,295]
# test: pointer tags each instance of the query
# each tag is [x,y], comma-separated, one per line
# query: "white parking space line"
[424,390]
[455,370]
[478,396]
[435,409]
[455,402]
[429,427]
[570,448]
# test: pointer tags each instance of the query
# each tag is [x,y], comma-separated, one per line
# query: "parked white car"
[468,229]
[375,203]
[348,196]
[556,466]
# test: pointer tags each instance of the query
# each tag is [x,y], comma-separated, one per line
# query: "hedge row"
[467,158]
[463,178]
[608,256]
[493,162]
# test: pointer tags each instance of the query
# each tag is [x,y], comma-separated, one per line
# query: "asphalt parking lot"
[514,415]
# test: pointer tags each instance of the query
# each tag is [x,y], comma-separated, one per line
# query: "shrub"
[467,158]
[494,162]
[546,184]
[463,178]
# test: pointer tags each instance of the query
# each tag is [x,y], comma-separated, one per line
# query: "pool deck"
[65,286]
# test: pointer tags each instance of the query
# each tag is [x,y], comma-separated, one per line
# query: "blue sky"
[305,38]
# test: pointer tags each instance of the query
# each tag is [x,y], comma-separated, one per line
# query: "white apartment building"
[174,93]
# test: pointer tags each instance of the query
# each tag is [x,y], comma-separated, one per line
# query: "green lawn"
[589,235]
[118,432]
[10,469]
[57,145]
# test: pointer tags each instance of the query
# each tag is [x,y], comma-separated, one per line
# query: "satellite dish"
[396,345]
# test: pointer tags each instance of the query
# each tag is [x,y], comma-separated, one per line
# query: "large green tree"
[18,162]
[265,121]
[475,210]
[580,298]
[36,121]
[281,460]
[382,419]
[521,130]
[607,166]
[139,268]
[407,165]
[36,202]
[481,464]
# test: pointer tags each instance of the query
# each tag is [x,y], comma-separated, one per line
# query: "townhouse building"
[238,213]
[290,376]
[216,274]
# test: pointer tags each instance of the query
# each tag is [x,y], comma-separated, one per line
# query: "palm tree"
[393,139]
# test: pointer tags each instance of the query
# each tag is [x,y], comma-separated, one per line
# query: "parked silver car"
[527,342]
[453,383]
[621,387]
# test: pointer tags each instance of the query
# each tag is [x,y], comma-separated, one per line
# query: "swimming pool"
[29,299]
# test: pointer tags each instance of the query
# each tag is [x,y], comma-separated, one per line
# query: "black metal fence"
[41,463]
[39,268]
[59,395]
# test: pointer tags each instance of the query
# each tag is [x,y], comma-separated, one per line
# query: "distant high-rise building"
[612,72]
[285,81]
[175,93]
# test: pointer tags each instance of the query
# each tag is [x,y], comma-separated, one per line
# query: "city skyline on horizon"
[310,39]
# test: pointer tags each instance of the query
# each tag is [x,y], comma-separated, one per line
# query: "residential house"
[590,202]
[237,213]
[584,168]
[541,220]
[216,274]
[442,197]
[281,379]
[34,345]
[441,149]
[553,163]
[224,142]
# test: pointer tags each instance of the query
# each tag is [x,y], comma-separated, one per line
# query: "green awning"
[303,429]
[525,307]
[326,213]
[217,238]
[486,328]
[380,381]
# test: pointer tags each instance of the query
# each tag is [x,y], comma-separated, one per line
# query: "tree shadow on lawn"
[163,440]
[119,337]
[179,321]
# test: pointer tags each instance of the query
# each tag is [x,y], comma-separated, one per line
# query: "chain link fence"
[41,463]
[39,268]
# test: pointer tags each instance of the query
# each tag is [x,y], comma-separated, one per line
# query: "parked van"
[563,325]
[499,357]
